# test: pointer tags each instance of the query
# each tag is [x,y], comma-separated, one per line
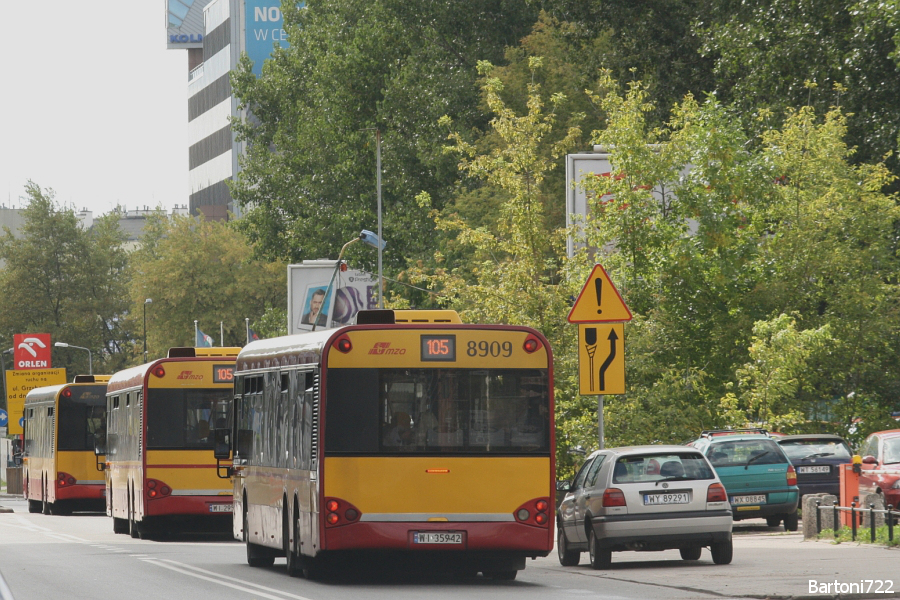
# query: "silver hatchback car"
[643,498]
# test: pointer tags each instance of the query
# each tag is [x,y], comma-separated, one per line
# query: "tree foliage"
[199,270]
[66,280]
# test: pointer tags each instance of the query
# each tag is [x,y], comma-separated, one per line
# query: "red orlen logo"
[385,348]
[32,350]
[189,375]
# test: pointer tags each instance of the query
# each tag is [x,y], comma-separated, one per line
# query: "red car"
[881,452]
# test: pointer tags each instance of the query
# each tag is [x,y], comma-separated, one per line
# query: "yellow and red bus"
[407,433]
[160,470]
[62,422]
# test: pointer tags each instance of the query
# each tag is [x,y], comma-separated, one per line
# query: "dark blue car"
[816,458]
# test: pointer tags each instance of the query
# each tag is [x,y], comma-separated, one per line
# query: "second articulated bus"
[62,424]
[399,436]
[161,474]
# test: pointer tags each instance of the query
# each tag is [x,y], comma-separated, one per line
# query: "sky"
[93,105]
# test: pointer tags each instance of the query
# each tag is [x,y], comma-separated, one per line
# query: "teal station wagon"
[758,477]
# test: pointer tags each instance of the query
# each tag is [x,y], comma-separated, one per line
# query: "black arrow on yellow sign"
[609,359]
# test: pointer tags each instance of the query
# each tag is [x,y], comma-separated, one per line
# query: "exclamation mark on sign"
[598,286]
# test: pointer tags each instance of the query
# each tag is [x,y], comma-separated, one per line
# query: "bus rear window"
[182,418]
[82,417]
[428,411]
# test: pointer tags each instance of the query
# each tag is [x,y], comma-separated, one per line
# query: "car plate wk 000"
[437,537]
[755,499]
[673,498]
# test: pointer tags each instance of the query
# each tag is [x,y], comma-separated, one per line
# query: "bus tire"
[290,531]
[257,556]
[45,506]
[313,570]
[34,506]
[120,525]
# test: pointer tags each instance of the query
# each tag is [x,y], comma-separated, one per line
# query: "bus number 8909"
[485,348]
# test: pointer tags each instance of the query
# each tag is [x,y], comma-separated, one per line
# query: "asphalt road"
[80,557]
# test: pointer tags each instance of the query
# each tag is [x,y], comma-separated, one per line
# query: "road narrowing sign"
[601,358]
[599,301]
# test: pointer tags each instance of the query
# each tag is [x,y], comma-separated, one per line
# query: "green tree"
[194,269]
[308,179]
[66,280]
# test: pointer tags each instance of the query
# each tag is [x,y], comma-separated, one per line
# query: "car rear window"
[656,467]
[762,451]
[812,448]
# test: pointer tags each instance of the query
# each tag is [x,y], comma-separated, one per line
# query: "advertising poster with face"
[315,301]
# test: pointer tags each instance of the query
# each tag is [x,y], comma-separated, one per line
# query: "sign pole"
[600,432]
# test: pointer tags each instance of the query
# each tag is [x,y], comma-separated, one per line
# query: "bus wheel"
[313,570]
[120,525]
[134,528]
[45,506]
[257,556]
[34,506]
[290,538]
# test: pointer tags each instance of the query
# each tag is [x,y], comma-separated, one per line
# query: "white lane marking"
[220,579]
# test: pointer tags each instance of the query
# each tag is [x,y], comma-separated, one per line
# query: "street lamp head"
[61,345]
[148,301]
[372,239]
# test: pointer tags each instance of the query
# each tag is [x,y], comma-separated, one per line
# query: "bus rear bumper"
[523,540]
[212,506]
[82,491]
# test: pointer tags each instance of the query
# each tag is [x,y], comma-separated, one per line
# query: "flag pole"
[221,335]
[195,333]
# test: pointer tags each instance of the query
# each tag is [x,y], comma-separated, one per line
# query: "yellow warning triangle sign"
[599,301]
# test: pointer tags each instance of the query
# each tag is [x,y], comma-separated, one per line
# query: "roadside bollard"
[853,520]
[872,521]
[836,519]
[890,521]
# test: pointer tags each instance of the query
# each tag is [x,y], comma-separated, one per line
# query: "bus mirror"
[100,444]
[222,447]
[17,448]
[244,443]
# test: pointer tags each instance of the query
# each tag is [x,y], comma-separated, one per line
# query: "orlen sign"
[32,351]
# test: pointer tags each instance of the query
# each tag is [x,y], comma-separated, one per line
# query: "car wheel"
[690,553]
[567,557]
[722,552]
[601,558]
[773,521]
[791,521]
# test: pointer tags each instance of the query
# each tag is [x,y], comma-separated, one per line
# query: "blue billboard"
[265,29]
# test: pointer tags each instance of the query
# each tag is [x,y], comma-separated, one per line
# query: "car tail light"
[791,475]
[339,512]
[65,480]
[157,489]
[613,497]
[716,493]
[535,512]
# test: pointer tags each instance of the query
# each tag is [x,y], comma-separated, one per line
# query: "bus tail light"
[791,475]
[343,344]
[67,393]
[157,489]
[532,344]
[159,371]
[65,480]
[534,512]
[716,493]
[613,497]
[339,512]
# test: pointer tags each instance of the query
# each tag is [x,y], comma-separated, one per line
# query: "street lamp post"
[146,302]
[90,360]
[365,236]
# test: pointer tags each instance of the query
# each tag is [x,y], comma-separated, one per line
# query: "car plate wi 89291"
[667,498]
[437,537]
